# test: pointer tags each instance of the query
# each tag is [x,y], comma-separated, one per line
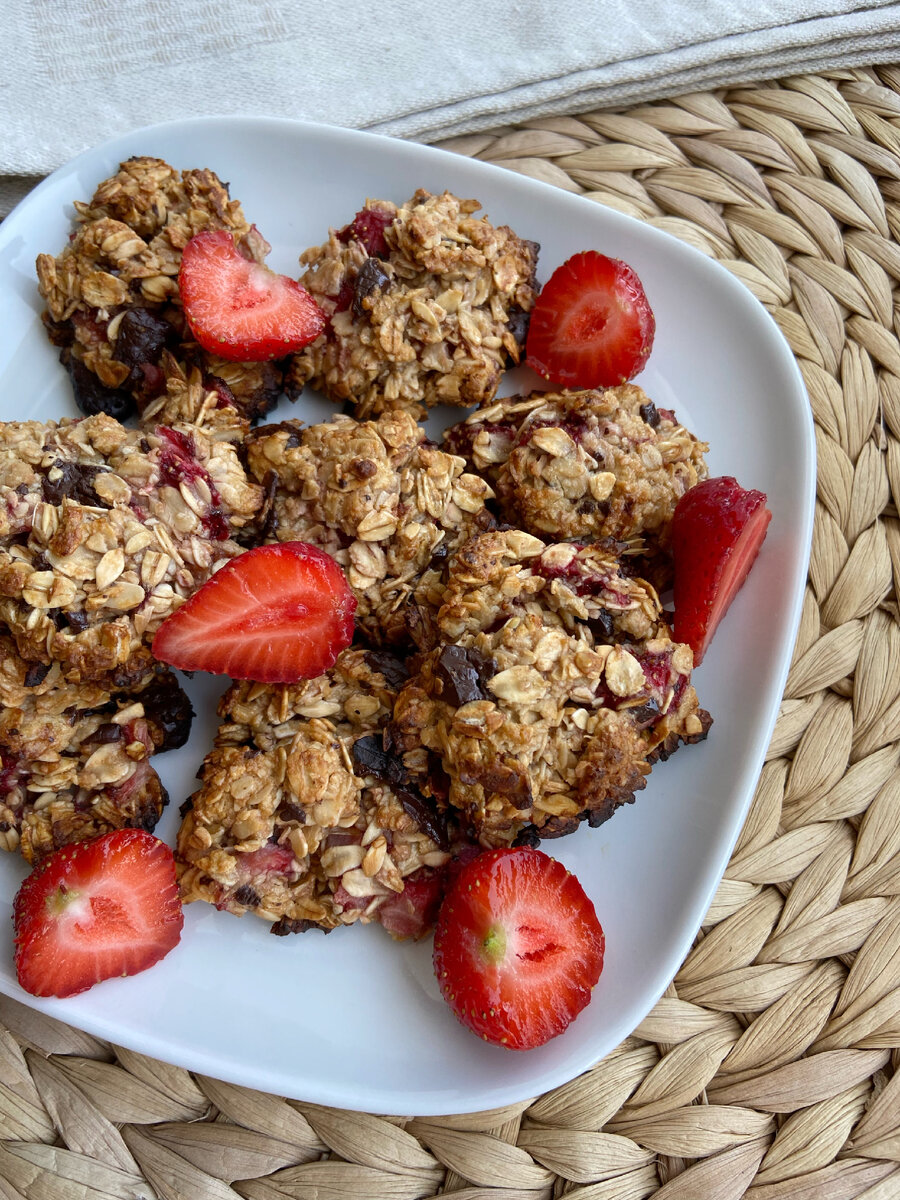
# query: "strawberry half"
[517,948]
[240,309]
[275,614]
[717,531]
[592,325]
[96,910]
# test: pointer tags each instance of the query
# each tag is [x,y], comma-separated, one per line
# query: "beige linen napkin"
[79,71]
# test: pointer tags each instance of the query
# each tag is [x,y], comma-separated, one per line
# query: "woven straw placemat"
[768,1069]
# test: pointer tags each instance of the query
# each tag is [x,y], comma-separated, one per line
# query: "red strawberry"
[592,325]
[275,614]
[95,910]
[240,309]
[517,948]
[717,531]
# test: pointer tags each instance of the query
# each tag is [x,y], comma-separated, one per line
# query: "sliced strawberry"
[240,309]
[717,531]
[517,948]
[96,910]
[275,614]
[592,325]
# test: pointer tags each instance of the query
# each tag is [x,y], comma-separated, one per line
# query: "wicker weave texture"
[768,1069]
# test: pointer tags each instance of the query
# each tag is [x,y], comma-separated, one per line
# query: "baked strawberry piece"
[240,309]
[97,910]
[113,303]
[592,325]
[717,532]
[275,614]
[517,948]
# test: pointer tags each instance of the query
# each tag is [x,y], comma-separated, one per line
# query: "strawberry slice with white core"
[96,910]
[591,325]
[517,948]
[717,530]
[239,309]
[276,614]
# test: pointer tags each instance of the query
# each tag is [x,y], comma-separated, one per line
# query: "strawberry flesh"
[96,910]
[517,948]
[717,531]
[592,325]
[239,309]
[276,614]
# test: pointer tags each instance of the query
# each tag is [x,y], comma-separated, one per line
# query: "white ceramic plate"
[353,1019]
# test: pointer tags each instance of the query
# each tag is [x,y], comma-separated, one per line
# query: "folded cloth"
[79,71]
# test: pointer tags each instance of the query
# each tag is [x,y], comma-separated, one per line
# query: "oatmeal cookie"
[377,496]
[112,297]
[508,573]
[553,688]
[74,757]
[427,304]
[302,818]
[585,464]
[104,531]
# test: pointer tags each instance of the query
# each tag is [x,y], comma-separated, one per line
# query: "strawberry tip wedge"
[275,614]
[717,530]
[96,910]
[240,309]
[517,948]
[591,325]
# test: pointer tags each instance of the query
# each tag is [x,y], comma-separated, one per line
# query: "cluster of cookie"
[514,673]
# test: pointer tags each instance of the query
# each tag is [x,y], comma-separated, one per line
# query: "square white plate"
[354,1020]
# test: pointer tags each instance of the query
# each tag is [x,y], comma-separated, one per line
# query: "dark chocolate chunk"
[649,414]
[371,275]
[73,481]
[107,733]
[518,324]
[370,756]
[92,396]
[36,673]
[168,711]
[285,925]
[141,338]
[391,668]
[246,895]
[602,626]
[289,810]
[462,673]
